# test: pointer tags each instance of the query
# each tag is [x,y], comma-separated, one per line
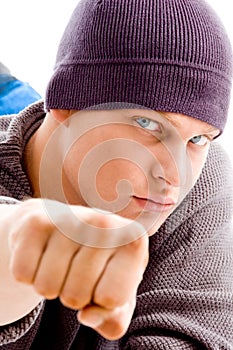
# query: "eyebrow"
[207,129]
[170,119]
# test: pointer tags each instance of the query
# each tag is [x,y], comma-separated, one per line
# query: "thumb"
[111,324]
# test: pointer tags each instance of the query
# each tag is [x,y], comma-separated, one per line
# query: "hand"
[100,281]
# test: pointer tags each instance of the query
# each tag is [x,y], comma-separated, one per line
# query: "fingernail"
[92,321]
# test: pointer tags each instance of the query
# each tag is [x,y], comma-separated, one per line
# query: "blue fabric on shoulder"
[15,95]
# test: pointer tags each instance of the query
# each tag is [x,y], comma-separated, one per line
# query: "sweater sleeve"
[185,301]
[20,334]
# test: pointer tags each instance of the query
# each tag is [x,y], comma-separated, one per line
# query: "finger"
[111,324]
[54,265]
[85,271]
[122,275]
[26,254]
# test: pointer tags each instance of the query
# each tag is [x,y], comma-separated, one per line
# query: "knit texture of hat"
[166,55]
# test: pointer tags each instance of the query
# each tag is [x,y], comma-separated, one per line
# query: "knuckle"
[73,300]
[139,248]
[108,301]
[20,276]
[101,221]
[70,302]
[34,220]
[41,289]
[32,215]
[140,243]
[48,293]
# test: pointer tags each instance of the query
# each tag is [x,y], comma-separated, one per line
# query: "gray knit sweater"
[185,300]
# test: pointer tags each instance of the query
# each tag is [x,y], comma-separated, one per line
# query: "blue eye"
[148,124]
[199,140]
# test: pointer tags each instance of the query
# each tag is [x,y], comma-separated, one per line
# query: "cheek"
[197,162]
[120,177]
[102,179]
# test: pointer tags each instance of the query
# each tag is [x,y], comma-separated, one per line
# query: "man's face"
[137,163]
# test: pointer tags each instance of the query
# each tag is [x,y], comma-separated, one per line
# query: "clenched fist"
[92,261]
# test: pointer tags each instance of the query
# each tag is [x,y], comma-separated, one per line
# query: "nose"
[172,164]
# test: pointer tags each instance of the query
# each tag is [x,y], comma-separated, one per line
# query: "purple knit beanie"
[166,55]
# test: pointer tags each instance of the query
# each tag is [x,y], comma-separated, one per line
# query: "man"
[128,224]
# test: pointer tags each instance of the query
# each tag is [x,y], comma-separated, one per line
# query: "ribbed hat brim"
[158,86]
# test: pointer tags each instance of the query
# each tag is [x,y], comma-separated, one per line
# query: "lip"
[157,205]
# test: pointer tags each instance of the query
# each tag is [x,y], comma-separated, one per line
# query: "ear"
[61,115]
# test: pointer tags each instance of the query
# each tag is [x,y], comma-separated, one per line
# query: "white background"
[31,30]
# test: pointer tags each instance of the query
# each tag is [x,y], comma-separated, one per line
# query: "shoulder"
[15,127]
